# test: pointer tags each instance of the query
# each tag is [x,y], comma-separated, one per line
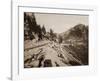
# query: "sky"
[60,22]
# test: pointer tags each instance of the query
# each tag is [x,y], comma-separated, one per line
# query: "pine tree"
[30,25]
[51,34]
[43,30]
[39,31]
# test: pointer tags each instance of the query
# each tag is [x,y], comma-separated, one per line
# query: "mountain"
[77,40]
[78,32]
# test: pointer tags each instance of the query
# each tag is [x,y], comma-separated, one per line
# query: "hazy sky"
[60,23]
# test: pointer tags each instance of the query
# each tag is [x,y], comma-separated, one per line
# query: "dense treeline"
[31,28]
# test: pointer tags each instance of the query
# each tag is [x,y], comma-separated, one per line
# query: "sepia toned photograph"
[55,40]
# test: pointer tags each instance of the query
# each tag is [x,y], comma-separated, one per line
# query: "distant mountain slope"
[78,32]
[77,38]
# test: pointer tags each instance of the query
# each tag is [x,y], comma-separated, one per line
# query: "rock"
[47,63]
[34,63]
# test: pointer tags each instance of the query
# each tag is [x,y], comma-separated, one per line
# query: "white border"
[17,41]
